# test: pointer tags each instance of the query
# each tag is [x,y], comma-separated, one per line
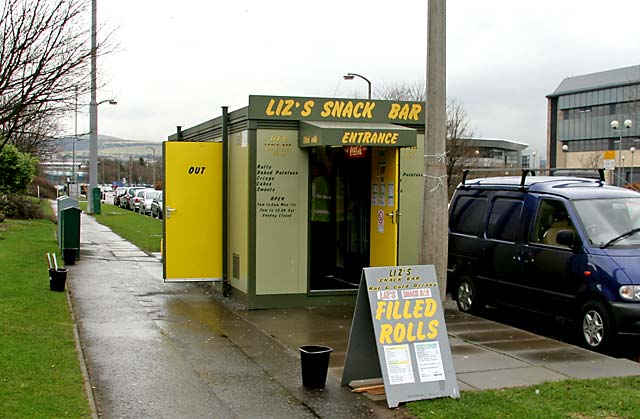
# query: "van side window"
[504,219]
[468,215]
[552,217]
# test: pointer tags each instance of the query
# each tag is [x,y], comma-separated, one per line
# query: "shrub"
[16,170]
[47,189]
[20,207]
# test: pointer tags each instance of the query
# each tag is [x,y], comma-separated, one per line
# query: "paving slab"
[525,345]
[600,368]
[511,377]
[484,360]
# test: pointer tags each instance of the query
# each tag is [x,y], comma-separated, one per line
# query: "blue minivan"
[560,246]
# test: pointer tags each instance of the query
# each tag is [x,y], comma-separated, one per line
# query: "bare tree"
[45,55]
[38,135]
[460,154]
[416,92]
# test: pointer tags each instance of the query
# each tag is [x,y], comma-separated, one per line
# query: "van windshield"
[606,219]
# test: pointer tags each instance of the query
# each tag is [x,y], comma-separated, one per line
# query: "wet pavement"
[156,350]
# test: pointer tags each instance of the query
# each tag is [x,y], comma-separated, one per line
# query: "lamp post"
[93,110]
[75,138]
[154,165]
[632,150]
[565,149]
[615,125]
[350,76]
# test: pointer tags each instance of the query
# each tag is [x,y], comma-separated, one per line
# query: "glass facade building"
[580,112]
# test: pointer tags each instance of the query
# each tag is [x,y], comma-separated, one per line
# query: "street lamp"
[615,125]
[154,165]
[75,136]
[632,150]
[565,149]
[350,76]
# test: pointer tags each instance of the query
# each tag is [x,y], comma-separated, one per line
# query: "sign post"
[398,331]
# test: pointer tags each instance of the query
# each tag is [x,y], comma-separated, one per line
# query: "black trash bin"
[57,279]
[314,361]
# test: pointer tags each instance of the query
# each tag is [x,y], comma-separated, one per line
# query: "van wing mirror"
[566,238]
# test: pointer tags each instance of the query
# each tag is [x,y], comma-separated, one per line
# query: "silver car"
[147,198]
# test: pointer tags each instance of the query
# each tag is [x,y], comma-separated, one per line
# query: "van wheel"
[595,327]
[467,296]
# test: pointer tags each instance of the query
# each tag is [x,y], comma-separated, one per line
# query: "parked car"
[157,205]
[125,200]
[137,200]
[563,247]
[117,195]
[145,205]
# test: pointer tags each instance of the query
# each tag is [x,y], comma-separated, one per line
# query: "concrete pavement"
[156,350]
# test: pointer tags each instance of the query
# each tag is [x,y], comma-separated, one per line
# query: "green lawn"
[572,399]
[39,372]
[141,230]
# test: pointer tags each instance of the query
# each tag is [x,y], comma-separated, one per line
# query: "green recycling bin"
[96,194]
[70,234]
[62,203]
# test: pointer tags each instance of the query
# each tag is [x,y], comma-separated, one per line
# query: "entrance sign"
[192,242]
[398,331]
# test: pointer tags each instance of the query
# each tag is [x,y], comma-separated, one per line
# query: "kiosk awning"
[352,133]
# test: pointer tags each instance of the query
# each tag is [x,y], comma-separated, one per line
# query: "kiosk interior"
[307,192]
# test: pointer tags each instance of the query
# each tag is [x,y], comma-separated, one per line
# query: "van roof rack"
[526,171]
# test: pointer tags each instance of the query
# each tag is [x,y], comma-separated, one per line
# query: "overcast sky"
[179,61]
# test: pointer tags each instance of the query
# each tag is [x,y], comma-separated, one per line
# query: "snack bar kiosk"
[283,202]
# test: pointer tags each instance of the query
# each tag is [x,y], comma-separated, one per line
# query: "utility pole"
[434,246]
[93,113]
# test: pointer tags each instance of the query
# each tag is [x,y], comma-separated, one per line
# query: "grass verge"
[141,230]
[578,399]
[39,372]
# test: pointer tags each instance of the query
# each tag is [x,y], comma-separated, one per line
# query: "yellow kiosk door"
[192,238]
[384,206]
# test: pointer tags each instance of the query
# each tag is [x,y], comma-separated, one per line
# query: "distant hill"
[112,147]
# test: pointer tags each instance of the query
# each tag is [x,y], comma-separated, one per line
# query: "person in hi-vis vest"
[322,246]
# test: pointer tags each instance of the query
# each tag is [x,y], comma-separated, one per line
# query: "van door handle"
[524,259]
[169,211]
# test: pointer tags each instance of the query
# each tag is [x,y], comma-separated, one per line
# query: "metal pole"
[619,158]
[631,175]
[350,76]
[434,217]
[75,139]
[93,112]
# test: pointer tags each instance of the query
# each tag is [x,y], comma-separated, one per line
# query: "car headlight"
[630,292]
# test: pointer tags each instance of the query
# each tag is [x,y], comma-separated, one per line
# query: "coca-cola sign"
[355,151]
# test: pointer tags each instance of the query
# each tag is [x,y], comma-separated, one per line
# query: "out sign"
[196,170]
